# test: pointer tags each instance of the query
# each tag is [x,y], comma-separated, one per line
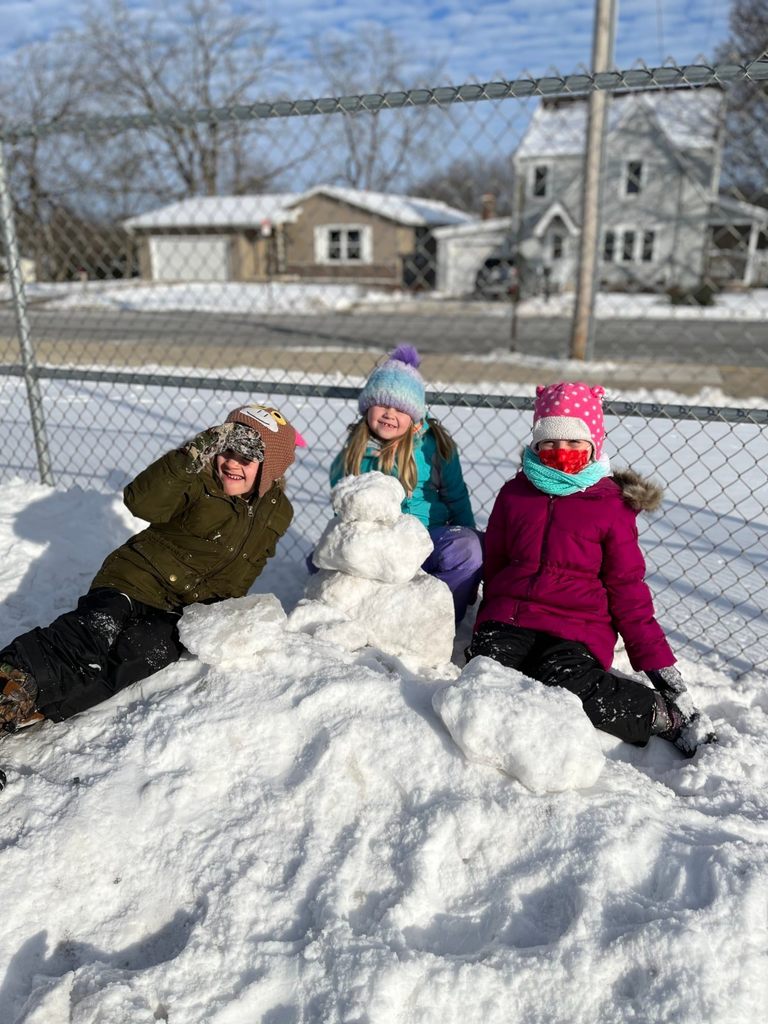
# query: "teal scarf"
[553,481]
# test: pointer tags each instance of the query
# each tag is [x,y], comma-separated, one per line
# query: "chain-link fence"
[135,309]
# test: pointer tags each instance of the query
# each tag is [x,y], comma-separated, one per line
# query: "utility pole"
[602,60]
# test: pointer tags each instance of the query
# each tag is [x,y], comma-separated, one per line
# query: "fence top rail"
[579,83]
[459,399]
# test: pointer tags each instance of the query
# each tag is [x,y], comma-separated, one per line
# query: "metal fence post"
[19,299]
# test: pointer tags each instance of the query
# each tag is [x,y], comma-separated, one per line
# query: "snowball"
[413,619]
[390,553]
[538,734]
[373,497]
[231,632]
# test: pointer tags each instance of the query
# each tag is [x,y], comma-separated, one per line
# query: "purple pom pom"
[406,354]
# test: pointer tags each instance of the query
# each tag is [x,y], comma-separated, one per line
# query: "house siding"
[677,188]
[389,241]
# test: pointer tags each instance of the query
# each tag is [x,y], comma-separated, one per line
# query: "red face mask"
[567,460]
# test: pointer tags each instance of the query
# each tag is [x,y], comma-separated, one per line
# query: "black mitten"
[677,719]
[667,681]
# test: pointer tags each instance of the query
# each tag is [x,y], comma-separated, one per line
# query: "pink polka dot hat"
[569,412]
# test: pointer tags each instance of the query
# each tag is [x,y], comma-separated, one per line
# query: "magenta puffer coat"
[572,566]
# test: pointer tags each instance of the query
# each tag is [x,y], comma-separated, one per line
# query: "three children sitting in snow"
[562,570]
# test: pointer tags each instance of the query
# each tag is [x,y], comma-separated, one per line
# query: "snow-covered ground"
[281,830]
[279,297]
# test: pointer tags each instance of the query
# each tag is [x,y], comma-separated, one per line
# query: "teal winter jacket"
[440,497]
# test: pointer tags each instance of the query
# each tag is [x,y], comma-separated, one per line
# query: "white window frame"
[562,238]
[615,233]
[323,244]
[547,181]
[642,180]
[619,230]
[632,258]
[654,246]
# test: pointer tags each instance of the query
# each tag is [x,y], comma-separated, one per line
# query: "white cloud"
[499,37]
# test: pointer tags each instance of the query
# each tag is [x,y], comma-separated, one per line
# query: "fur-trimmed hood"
[641,494]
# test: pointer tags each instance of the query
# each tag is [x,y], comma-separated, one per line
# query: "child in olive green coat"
[216,510]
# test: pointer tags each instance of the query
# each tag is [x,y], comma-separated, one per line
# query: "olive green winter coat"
[201,546]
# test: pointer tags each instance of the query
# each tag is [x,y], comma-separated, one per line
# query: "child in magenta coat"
[564,575]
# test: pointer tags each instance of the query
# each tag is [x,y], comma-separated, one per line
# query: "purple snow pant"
[457,560]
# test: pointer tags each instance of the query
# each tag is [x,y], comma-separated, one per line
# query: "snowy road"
[707,341]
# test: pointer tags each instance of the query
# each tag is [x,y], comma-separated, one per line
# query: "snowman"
[371,590]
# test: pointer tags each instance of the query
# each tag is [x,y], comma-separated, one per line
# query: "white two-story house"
[660,180]
[662,220]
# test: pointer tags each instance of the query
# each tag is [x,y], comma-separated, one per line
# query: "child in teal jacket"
[395,436]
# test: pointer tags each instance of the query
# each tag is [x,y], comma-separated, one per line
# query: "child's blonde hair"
[395,456]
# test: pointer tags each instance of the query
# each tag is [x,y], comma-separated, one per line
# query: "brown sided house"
[365,237]
[324,234]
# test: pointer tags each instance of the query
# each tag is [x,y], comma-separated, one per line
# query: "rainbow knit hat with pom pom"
[396,384]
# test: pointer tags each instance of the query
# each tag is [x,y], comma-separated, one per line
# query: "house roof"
[250,211]
[732,211]
[411,210]
[556,209]
[475,226]
[216,212]
[689,118]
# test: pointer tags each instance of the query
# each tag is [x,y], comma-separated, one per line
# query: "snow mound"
[537,734]
[371,590]
[232,632]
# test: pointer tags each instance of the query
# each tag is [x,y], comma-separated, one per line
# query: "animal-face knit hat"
[264,435]
[569,412]
[396,384]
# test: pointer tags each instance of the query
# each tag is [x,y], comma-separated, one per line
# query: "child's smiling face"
[387,423]
[236,473]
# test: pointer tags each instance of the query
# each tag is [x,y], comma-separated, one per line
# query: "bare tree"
[745,164]
[41,87]
[464,183]
[208,57]
[375,149]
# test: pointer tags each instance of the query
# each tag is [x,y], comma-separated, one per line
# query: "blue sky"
[496,38]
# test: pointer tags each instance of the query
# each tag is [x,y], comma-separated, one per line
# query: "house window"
[609,246]
[558,246]
[628,246]
[649,241]
[634,179]
[540,180]
[343,243]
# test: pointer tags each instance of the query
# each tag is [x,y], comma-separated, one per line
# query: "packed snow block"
[391,553]
[537,734]
[233,632]
[372,497]
[325,622]
[413,619]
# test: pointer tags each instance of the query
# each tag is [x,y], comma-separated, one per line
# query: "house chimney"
[487,206]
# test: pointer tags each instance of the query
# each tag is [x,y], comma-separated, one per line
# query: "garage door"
[190,258]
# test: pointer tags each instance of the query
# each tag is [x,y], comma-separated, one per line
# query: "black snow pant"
[85,656]
[622,707]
